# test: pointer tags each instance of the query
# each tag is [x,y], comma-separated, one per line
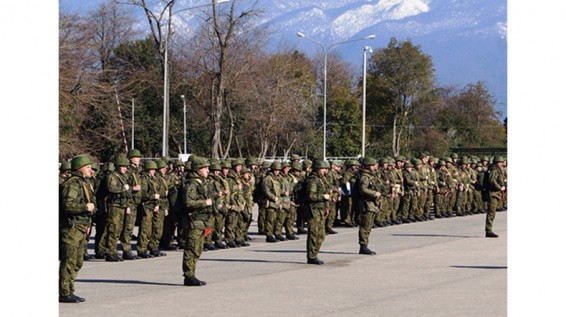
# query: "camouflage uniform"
[318,195]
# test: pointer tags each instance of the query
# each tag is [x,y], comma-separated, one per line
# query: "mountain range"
[467,39]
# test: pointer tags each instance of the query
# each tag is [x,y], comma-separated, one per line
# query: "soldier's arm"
[73,198]
[191,198]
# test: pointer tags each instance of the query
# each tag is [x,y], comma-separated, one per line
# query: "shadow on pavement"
[301,251]
[250,261]
[431,235]
[479,267]
[125,282]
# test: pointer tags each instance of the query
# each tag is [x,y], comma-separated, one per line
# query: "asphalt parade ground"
[444,267]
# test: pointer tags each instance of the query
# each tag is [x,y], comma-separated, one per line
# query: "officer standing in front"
[77,207]
[497,189]
[371,188]
[198,210]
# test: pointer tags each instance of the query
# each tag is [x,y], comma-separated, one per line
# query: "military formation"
[206,204]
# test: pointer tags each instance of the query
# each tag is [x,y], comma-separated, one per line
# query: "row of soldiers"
[162,197]
[417,189]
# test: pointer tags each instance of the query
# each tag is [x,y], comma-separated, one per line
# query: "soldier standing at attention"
[77,208]
[134,171]
[370,189]
[119,204]
[150,205]
[198,209]
[318,199]
[497,189]
[272,195]
[158,218]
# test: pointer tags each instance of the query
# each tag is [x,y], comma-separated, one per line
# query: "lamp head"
[299,34]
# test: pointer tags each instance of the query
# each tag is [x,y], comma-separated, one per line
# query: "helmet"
[160,163]
[226,164]
[65,166]
[252,161]
[134,153]
[368,161]
[244,170]
[79,161]
[285,164]
[150,165]
[297,166]
[200,162]
[498,158]
[122,161]
[110,167]
[215,166]
[295,157]
[238,161]
[318,164]
[276,165]
[408,164]
[266,164]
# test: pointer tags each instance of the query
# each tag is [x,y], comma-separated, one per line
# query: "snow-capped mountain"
[467,39]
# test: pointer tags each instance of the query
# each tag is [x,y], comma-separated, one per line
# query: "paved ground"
[436,268]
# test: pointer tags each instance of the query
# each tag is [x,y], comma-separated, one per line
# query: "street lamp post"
[325,51]
[164,145]
[184,123]
[133,117]
[366,48]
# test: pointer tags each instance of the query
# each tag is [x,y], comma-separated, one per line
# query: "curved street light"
[326,49]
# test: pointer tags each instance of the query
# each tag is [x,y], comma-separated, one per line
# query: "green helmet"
[498,158]
[368,161]
[226,164]
[352,163]
[466,160]
[295,157]
[252,161]
[79,161]
[215,166]
[276,165]
[442,163]
[238,161]
[65,166]
[285,164]
[408,164]
[244,170]
[454,155]
[319,164]
[266,164]
[448,160]
[122,161]
[160,163]
[307,162]
[199,163]
[297,166]
[150,165]
[417,162]
[134,153]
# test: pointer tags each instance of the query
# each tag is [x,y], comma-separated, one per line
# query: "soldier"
[260,199]
[248,186]
[289,205]
[119,203]
[134,171]
[399,187]
[301,197]
[347,184]
[102,210]
[77,208]
[318,199]
[272,194]
[176,180]
[409,202]
[333,176]
[64,171]
[237,203]
[371,188]
[150,206]
[497,189]
[220,191]
[163,210]
[198,209]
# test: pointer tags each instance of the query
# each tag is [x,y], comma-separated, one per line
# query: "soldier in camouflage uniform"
[318,198]
[248,187]
[333,176]
[157,219]
[220,191]
[347,184]
[260,199]
[134,171]
[198,209]
[371,188]
[301,197]
[291,181]
[150,206]
[237,203]
[399,188]
[102,210]
[78,205]
[410,199]
[175,179]
[497,189]
[272,194]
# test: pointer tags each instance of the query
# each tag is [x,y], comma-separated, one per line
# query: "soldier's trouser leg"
[193,249]
[414,205]
[428,203]
[397,207]
[156,230]
[419,210]
[231,223]
[144,231]
[114,226]
[241,227]
[169,224]
[73,244]
[405,204]
[478,204]
[129,224]
[460,199]
[271,218]
[290,220]
[438,204]
[493,203]
[99,234]
[218,226]
[331,216]
[278,227]
[301,217]
[364,231]
[347,210]
[316,233]
[452,201]
[261,218]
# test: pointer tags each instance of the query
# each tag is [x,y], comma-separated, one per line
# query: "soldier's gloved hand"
[90,207]
[128,211]
[156,196]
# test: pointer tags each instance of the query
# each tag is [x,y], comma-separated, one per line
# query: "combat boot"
[242,243]
[220,245]
[365,250]
[489,234]
[270,239]
[209,246]
[193,281]
[315,261]
[292,237]
[231,244]
[157,253]
[69,299]
[281,238]
[112,258]
[129,256]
